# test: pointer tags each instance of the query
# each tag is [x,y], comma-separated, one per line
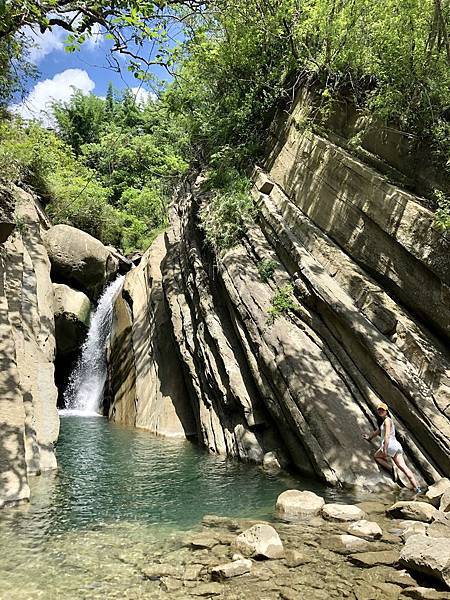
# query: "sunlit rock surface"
[29,421]
[370,320]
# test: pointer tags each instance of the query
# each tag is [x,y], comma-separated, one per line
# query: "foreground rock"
[342,512]
[418,511]
[79,259]
[29,421]
[372,559]
[436,491]
[444,503]
[231,569]
[366,529]
[294,504]
[260,541]
[428,555]
[72,311]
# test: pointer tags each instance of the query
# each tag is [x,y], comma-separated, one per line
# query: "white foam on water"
[84,393]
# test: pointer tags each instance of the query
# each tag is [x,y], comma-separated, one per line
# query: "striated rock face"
[368,319]
[29,421]
[146,386]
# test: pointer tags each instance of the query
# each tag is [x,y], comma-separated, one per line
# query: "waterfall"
[84,392]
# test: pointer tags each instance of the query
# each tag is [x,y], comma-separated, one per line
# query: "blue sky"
[61,71]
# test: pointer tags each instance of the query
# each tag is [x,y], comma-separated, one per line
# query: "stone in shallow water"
[231,569]
[444,504]
[156,571]
[192,572]
[202,541]
[416,528]
[260,541]
[418,511]
[372,559]
[435,491]
[170,584]
[295,504]
[428,555]
[207,589]
[423,593]
[440,526]
[342,512]
[369,530]
[294,558]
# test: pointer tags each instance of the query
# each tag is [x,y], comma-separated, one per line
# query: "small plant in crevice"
[224,219]
[21,226]
[442,214]
[282,301]
[266,268]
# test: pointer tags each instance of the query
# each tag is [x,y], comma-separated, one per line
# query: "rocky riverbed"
[366,551]
[325,551]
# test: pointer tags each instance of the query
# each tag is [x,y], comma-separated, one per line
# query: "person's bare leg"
[400,462]
[379,457]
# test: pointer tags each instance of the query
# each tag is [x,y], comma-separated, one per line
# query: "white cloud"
[44,43]
[95,37]
[142,96]
[37,105]
[54,40]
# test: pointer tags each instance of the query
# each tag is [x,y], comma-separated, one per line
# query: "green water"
[121,493]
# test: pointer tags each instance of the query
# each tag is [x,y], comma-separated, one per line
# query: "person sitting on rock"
[390,446]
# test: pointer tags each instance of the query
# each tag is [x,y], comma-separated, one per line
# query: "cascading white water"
[84,392]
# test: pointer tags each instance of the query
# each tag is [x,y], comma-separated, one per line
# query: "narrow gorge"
[194,351]
[189,388]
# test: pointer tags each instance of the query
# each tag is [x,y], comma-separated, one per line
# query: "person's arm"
[387,431]
[372,435]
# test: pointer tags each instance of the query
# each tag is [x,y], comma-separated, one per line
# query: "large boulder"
[260,541]
[72,311]
[417,511]
[79,259]
[342,512]
[428,555]
[294,504]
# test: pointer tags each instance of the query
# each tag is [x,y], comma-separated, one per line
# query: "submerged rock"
[260,541]
[429,555]
[295,504]
[232,569]
[372,559]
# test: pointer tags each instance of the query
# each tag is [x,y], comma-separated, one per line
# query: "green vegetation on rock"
[113,164]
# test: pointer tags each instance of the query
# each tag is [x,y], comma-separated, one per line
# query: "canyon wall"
[362,275]
[29,421]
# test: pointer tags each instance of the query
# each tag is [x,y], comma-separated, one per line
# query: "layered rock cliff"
[29,421]
[368,320]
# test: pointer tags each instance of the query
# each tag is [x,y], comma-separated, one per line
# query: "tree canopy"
[234,64]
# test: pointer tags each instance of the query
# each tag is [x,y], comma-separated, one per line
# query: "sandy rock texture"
[29,422]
